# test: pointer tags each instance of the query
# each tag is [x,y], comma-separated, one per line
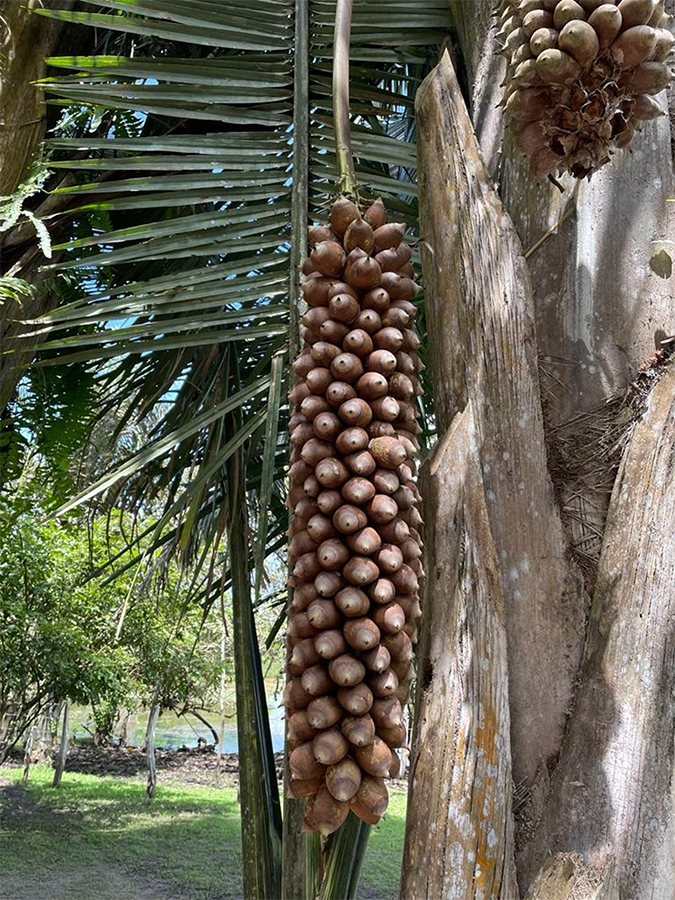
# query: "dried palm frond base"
[581,77]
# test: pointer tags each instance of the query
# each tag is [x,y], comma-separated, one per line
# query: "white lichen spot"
[506,455]
[514,574]
[490,495]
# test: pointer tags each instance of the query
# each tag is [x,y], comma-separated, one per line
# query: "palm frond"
[196,255]
[211,209]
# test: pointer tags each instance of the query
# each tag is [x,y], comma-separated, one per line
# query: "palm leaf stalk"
[346,851]
[343,136]
[260,809]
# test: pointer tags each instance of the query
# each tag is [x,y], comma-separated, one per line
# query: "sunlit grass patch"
[184,845]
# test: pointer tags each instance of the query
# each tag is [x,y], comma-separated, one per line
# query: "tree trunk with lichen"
[548,652]
[26,41]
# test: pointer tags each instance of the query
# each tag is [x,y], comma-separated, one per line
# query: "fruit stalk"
[343,141]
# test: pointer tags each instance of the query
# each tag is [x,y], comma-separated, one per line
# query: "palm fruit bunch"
[355,550]
[581,77]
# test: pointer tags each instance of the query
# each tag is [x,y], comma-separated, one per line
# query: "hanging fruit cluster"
[581,76]
[355,549]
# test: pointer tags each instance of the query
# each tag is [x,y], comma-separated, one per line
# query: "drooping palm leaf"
[260,809]
[345,857]
[224,259]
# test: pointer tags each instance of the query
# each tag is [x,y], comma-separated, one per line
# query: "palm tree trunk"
[551,505]
[27,41]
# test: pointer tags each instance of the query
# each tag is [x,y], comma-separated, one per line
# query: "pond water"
[184,731]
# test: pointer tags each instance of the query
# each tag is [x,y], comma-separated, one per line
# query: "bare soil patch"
[197,767]
[190,767]
[103,882]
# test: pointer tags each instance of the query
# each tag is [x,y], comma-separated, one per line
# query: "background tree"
[69,635]
[56,631]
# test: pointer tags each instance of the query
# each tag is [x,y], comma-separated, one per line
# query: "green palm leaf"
[217,210]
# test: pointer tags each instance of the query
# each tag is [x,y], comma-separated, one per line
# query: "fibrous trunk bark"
[26,41]
[611,798]
[483,349]
[460,779]
[602,303]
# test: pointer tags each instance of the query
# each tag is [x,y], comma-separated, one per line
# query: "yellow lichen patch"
[488,876]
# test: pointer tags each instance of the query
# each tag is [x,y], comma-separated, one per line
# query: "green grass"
[185,845]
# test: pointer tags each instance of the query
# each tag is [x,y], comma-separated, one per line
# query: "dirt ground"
[57,863]
[183,766]
[93,883]
[196,767]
